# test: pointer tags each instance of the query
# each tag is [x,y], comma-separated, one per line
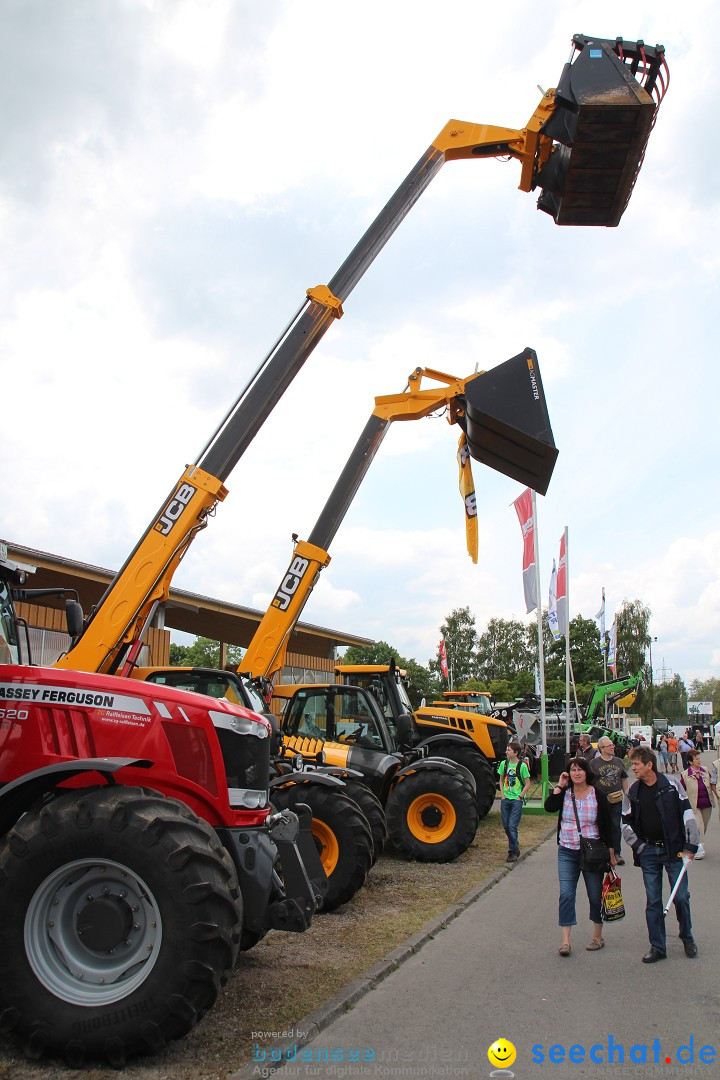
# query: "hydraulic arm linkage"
[505,424]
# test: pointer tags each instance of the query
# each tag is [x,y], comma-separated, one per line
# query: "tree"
[670,700]
[633,639]
[503,650]
[585,657]
[420,682]
[204,652]
[461,646]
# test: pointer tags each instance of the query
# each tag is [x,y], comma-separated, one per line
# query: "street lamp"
[652,705]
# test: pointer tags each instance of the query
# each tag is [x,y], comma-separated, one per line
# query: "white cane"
[675,887]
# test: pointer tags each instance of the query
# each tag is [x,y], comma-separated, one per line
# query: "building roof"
[192,613]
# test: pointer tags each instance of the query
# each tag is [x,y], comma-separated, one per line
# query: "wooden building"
[311,652]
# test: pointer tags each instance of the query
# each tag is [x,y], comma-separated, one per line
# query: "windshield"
[8,627]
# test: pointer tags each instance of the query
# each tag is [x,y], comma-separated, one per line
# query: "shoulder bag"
[594,854]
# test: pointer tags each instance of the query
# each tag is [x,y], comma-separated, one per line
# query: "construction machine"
[136,835]
[429,801]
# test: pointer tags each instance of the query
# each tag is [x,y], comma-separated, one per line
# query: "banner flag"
[523,509]
[612,648]
[467,490]
[600,617]
[562,605]
[443,657]
[552,605]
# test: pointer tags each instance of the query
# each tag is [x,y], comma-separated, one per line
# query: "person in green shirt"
[514,786]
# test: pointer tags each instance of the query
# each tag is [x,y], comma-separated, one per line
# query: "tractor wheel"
[432,816]
[480,767]
[121,921]
[373,811]
[341,833]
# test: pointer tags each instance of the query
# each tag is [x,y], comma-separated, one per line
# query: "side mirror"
[405,729]
[74,618]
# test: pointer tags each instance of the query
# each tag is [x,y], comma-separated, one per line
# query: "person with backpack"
[514,786]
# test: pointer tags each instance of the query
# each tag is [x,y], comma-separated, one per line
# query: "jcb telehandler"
[128,813]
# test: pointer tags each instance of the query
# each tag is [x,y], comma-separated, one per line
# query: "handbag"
[615,797]
[612,905]
[594,854]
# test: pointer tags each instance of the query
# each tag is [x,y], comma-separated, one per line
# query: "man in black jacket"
[660,827]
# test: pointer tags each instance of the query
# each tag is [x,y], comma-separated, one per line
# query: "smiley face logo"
[502,1053]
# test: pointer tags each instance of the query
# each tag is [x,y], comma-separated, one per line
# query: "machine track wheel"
[373,810]
[341,833]
[121,919]
[432,816]
[479,766]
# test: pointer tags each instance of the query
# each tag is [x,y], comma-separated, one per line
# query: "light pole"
[652,703]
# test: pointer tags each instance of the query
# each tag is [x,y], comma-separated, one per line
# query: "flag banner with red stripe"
[524,510]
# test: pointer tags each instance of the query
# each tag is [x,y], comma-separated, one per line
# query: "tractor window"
[354,720]
[8,632]
[307,715]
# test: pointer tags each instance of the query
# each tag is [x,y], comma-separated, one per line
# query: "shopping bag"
[612,906]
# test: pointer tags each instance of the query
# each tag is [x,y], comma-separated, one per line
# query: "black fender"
[295,779]
[452,737]
[441,763]
[20,794]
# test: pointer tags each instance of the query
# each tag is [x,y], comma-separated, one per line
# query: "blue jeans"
[653,860]
[568,875]
[510,814]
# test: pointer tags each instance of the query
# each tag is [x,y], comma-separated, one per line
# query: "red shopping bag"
[612,905]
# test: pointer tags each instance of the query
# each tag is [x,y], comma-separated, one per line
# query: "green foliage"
[379,653]
[204,652]
[585,654]
[503,650]
[670,700]
[461,646]
[706,690]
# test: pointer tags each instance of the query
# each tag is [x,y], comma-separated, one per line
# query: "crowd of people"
[662,817]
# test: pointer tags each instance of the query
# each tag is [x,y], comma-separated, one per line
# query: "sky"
[174,174]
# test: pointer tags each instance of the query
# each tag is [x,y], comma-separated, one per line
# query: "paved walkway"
[494,972]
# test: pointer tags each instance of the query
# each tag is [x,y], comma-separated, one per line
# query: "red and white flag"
[524,509]
[561,590]
[442,653]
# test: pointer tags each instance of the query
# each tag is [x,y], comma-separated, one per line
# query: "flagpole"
[541,659]
[567,644]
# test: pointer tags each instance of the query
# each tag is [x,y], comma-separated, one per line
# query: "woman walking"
[697,782]
[583,811]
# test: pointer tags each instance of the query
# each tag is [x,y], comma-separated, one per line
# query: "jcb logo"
[295,573]
[174,508]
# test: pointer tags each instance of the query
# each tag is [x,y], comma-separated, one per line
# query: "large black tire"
[121,919]
[432,816]
[341,833]
[373,810]
[479,766]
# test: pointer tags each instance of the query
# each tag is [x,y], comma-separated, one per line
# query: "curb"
[310,1026]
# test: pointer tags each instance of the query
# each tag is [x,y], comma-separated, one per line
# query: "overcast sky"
[174,174]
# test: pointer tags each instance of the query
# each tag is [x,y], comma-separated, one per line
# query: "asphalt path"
[494,972]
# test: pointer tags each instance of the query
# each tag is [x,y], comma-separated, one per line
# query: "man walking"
[612,780]
[585,747]
[660,827]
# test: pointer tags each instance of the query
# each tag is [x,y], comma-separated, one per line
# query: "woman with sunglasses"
[579,803]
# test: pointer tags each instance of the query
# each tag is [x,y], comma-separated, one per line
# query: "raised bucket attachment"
[601,124]
[507,424]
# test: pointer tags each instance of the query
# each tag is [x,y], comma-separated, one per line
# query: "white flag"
[537,681]
[612,646]
[601,619]
[552,605]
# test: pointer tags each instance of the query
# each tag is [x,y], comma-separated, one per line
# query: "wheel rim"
[431,818]
[327,845]
[92,932]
